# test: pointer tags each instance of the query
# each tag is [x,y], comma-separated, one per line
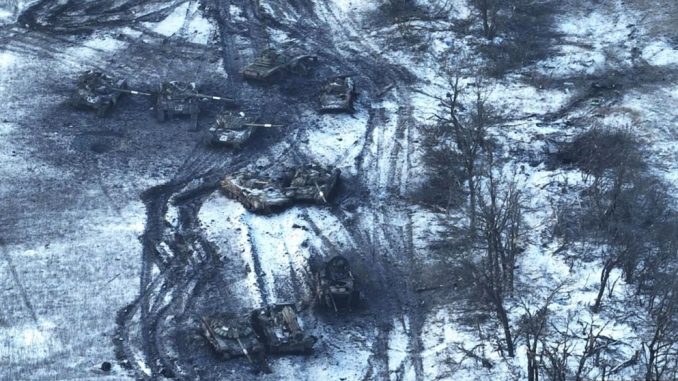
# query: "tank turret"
[97,91]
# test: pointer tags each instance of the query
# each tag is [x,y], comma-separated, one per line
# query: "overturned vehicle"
[232,337]
[234,129]
[97,91]
[336,287]
[279,330]
[266,193]
[337,95]
[274,62]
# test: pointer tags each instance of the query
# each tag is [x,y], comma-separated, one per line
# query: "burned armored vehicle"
[97,91]
[232,337]
[335,286]
[268,193]
[274,62]
[337,95]
[234,129]
[279,330]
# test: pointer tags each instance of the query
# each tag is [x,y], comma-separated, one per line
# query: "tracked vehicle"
[180,98]
[233,130]
[266,194]
[279,330]
[274,62]
[232,337]
[336,287]
[97,91]
[337,95]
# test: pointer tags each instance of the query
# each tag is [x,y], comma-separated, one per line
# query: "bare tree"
[661,350]
[489,10]
[469,134]
[533,326]
[499,229]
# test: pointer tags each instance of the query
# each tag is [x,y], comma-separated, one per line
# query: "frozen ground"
[114,240]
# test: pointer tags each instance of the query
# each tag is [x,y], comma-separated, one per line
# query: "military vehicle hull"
[336,288]
[272,63]
[175,99]
[279,329]
[97,91]
[231,130]
[338,95]
[263,194]
[232,337]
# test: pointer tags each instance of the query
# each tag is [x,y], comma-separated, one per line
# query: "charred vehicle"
[180,98]
[265,193]
[231,129]
[273,62]
[232,337]
[336,287]
[337,95]
[97,91]
[279,330]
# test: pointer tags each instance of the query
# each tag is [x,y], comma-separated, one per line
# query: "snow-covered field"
[79,226]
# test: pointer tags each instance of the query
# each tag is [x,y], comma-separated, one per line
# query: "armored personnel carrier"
[337,95]
[231,129]
[272,62]
[232,337]
[97,91]
[265,193]
[335,286]
[279,330]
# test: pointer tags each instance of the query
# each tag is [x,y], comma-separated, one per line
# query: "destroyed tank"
[335,286]
[265,194]
[231,129]
[279,330]
[337,95]
[232,337]
[272,62]
[97,91]
[176,98]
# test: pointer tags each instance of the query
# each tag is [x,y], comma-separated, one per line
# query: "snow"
[660,53]
[187,22]
[337,139]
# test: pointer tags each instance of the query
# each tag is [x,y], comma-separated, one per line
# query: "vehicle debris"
[232,337]
[337,95]
[275,62]
[234,129]
[97,91]
[278,328]
[265,194]
[336,287]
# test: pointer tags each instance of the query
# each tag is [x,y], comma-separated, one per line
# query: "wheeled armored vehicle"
[336,287]
[234,129]
[337,95]
[279,330]
[272,62]
[97,91]
[266,193]
[232,337]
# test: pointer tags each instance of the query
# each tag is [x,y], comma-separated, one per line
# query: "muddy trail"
[183,273]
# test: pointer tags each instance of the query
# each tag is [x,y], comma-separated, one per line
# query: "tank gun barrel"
[265,125]
[135,92]
[213,97]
